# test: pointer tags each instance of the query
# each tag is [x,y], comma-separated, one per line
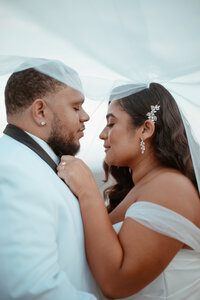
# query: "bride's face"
[121,139]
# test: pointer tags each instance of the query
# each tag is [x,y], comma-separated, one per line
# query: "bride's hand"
[76,174]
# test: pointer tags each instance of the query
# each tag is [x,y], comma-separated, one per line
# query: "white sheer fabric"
[52,68]
[102,89]
[106,41]
[181,279]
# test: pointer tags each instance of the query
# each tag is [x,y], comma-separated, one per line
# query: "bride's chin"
[110,162]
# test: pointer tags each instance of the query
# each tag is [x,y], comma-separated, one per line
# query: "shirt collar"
[46,147]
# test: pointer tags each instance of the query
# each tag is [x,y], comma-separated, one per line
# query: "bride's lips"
[106,148]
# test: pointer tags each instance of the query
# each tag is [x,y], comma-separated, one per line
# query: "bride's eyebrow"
[110,115]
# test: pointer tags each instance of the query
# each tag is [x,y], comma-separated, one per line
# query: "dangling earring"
[43,123]
[142,146]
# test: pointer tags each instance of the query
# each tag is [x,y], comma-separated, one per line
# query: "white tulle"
[181,279]
[112,43]
[52,68]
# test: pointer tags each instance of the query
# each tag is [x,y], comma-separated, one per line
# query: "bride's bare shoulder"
[175,191]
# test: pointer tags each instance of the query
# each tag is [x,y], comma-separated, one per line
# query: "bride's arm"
[101,242]
[125,263]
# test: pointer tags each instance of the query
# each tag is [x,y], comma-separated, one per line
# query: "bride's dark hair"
[169,139]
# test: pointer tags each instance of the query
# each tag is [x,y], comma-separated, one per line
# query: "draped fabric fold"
[165,221]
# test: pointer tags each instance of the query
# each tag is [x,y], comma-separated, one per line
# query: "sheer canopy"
[110,43]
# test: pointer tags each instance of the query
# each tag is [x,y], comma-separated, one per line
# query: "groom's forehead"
[70,95]
[75,96]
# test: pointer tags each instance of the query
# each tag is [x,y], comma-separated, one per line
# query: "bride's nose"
[103,134]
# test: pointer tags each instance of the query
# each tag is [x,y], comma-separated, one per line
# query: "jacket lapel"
[22,137]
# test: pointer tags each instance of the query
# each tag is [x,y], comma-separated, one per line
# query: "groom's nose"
[84,117]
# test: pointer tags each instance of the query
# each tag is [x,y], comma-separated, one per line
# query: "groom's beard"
[60,141]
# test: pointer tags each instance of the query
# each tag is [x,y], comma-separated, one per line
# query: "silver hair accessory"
[151,115]
[142,146]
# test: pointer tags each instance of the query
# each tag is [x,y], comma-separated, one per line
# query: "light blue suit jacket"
[42,252]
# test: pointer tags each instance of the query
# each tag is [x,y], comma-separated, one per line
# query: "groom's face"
[67,123]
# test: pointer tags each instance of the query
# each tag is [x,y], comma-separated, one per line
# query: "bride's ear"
[148,129]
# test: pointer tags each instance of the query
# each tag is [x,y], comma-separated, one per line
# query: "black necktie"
[22,137]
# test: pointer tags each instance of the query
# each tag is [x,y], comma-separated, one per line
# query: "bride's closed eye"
[110,124]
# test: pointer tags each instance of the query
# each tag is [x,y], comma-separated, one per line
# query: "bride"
[148,246]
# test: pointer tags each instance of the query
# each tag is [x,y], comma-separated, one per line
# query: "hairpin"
[151,115]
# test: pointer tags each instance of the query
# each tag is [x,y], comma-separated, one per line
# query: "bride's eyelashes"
[110,125]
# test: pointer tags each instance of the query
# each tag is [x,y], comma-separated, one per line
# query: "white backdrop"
[141,40]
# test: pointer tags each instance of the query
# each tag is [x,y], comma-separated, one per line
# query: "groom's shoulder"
[8,144]
[13,150]
[16,158]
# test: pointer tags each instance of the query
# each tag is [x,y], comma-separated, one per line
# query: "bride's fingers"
[72,168]
[67,158]
[62,175]
[60,168]
[62,165]
[64,160]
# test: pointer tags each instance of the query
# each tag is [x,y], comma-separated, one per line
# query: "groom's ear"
[39,111]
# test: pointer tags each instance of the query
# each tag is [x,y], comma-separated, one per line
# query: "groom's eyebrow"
[78,102]
[110,115]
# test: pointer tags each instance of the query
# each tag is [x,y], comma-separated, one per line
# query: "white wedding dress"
[181,279]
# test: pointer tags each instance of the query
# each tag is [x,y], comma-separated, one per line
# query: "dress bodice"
[181,279]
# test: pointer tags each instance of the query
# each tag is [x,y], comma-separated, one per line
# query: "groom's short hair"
[24,87]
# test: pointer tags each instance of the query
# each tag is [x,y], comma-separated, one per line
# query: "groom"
[42,252]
